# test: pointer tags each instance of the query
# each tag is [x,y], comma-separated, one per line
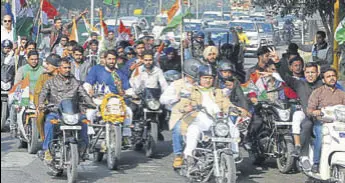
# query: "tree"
[324,7]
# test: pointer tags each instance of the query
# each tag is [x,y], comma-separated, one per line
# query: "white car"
[252,32]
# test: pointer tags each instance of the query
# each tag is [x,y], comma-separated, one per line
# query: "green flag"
[108,2]
[24,26]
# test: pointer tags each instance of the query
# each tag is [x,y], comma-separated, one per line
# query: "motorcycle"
[215,150]
[274,139]
[7,78]
[107,136]
[332,162]
[65,147]
[28,134]
[145,127]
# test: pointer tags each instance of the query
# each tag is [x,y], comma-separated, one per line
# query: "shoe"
[178,161]
[85,156]
[48,157]
[315,168]
[305,163]
[160,136]
[247,146]
[126,142]
[296,152]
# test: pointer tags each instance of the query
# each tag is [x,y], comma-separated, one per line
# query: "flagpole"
[181,40]
[92,12]
[41,19]
[117,13]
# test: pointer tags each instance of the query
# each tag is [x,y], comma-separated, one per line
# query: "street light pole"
[197,9]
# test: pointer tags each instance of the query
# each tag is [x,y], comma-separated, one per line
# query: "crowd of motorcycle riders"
[211,76]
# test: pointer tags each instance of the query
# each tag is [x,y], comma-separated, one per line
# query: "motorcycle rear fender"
[337,158]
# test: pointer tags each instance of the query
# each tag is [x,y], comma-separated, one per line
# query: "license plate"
[342,135]
[90,130]
[70,127]
[221,139]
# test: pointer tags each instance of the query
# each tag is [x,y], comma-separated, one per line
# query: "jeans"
[49,130]
[306,132]
[177,139]
[317,142]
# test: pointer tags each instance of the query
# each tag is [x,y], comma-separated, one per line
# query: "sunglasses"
[9,21]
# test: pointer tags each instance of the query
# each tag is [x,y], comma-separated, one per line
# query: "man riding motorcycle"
[32,70]
[324,96]
[115,81]
[209,97]
[173,97]
[61,86]
[50,65]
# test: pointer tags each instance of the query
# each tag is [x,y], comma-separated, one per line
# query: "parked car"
[266,30]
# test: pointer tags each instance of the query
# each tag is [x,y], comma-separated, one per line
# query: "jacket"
[58,88]
[39,85]
[172,98]
[196,99]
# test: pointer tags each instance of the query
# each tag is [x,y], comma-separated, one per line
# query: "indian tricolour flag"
[20,92]
[175,15]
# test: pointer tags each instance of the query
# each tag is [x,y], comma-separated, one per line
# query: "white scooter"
[332,159]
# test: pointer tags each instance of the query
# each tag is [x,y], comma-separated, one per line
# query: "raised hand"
[273,54]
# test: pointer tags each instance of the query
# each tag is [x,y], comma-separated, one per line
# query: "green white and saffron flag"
[340,32]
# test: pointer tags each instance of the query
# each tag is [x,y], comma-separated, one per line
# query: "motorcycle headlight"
[339,115]
[153,105]
[221,129]
[5,86]
[70,119]
[284,114]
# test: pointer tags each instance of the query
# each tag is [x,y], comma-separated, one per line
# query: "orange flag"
[74,33]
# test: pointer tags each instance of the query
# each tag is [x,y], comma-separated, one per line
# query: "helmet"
[191,66]
[200,34]
[128,50]
[239,28]
[225,65]
[6,44]
[205,70]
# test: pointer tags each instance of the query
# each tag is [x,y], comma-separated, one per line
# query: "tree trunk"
[328,24]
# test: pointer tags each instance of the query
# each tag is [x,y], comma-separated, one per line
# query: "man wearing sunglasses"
[6,28]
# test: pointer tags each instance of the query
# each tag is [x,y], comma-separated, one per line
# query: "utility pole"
[160,6]
[335,44]
[197,9]
[92,12]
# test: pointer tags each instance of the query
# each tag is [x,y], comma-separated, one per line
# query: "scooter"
[332,162]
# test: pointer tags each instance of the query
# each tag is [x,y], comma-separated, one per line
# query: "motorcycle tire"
[138,146]
[338,172]
[152,140]
[73,159]
[285,163]
[97,156]
[33,143]
[114,144]
[227,169]
[4,114]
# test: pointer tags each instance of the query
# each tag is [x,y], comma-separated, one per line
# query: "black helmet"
[191,66]
[205,70]
[6,44]
[225,65]
[200,34]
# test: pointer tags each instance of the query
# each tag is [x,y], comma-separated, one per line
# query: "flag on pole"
[24,19]
[88,26]
[20,92]
[124,32]
[116,3]
[74,33]
[175,16]
[49,10]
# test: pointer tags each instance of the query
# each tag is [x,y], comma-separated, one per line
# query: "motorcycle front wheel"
[151,141]
[33,136]
[114,143]
[338,173]
[285,161]
[227,169]
[72,158]
[4,114]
